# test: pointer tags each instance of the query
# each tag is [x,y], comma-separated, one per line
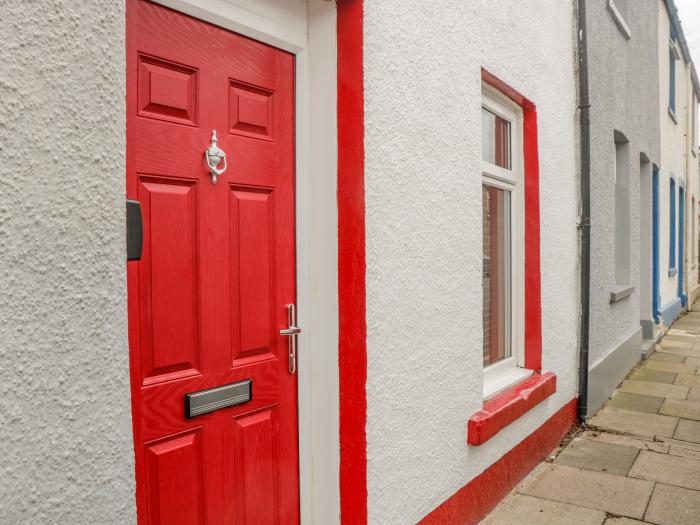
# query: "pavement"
[638,459]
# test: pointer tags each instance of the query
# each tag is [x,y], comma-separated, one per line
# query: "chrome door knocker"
[214,155]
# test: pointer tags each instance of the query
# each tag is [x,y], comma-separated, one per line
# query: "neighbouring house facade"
[644,184]
[692,231]
[346,289]
[623,75]
[675,183]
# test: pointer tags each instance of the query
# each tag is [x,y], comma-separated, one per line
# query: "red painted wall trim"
[533,302]
[473,501]
[501,410]
[352,351]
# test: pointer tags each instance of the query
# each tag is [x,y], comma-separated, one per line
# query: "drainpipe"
[585,224]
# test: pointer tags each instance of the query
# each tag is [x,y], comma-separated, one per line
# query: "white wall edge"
[314,45]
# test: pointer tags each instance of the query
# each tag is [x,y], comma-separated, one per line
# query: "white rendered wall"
[423,218]
[66,440]
[693,191]
[672,153]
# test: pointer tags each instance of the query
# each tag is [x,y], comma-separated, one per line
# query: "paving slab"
[595,455]
[636,402]
[684,452]
[694,394]
[675,343]
[676,332]
[637,423]
[668,469]
[649,388]
[687,352]
[656,376]
[657,364]
[693,361]
[684,323]
[586,488]
[678,443]
[688,430]
[687,380]
[624,521]
[679,337]
[519,509]
[658,356]
[681,408]
[674,506]
[627,441]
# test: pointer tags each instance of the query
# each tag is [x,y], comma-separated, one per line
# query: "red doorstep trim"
[473,501]
[501,410]
[352,351]
[533,303]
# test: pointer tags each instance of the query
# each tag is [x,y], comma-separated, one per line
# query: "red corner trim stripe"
[501,410]
[473,501]
[352,351]
[533,302]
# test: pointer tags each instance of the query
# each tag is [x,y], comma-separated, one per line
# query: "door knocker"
[214,155]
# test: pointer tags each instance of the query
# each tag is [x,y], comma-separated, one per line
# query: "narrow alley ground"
[639,459]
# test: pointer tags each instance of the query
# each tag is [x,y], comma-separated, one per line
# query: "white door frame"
[306,28]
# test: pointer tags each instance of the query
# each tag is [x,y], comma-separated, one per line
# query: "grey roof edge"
[676,22]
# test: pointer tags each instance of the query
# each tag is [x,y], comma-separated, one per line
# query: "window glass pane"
[496,275]
[495,132]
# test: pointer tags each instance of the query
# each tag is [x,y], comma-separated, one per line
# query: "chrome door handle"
[291,331]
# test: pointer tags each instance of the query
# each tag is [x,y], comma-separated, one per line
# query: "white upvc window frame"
[505,373]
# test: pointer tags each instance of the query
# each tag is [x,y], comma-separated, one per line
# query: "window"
[673,57]
[672,229]
[502,274]
[621,171]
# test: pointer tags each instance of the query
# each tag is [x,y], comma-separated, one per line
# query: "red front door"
[208,298]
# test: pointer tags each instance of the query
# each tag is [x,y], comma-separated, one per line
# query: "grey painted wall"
[65,440]
[624,97]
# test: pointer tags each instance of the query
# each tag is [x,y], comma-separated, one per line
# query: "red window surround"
[501,410]
[352,350]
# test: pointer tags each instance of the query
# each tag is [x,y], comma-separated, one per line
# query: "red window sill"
[501,410]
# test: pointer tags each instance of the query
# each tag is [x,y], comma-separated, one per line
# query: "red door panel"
[174,477]
[168,280]
[209,295]
[256,481]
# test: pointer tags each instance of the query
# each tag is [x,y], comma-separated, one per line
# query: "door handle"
[291,331]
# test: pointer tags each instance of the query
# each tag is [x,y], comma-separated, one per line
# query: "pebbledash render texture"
[66,441]
[418,73]
[423,219]
[623,69]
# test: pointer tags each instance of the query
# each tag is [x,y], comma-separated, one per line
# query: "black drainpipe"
[585,227]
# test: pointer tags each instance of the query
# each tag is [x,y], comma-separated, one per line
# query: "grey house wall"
[624,98]
[65,439]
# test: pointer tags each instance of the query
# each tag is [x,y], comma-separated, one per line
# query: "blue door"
[681,241]
[655,294]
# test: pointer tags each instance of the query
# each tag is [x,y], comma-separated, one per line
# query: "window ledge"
[501,410]
[672,114]
[504,380]
[620,292]
[619,20]
[672,272]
